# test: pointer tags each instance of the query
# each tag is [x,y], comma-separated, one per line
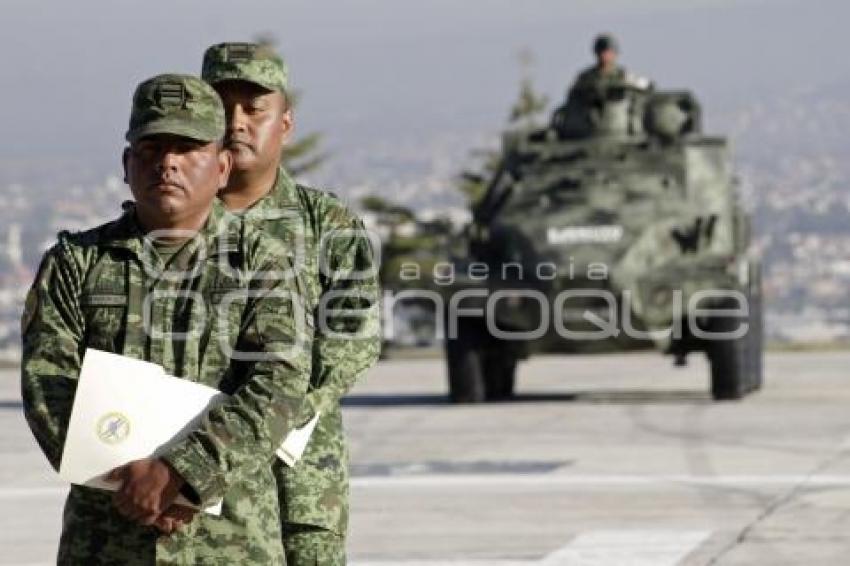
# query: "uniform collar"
[283,195]
[222,231]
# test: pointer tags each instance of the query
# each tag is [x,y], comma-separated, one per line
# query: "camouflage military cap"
[182,105]
[252,62]
[604,42]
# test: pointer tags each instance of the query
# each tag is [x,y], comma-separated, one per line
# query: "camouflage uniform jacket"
[334,257]
[90,291]
[594,78]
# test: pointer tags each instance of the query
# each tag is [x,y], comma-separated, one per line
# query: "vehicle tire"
[499,376]
[465,369]
[728,374]
[756,335]
[736,363]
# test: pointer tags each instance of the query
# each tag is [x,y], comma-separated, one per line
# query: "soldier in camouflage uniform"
[336,259]
[606,50]
[604,96]
[606,72]
[178,281]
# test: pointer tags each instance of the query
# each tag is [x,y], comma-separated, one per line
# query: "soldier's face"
[607,57]
[173,178]
[258,124]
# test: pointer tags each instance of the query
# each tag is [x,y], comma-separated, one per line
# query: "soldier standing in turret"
[606,71]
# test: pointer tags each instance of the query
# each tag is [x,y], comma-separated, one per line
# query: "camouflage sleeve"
[581,80]
[52,330]
[348,337]
[273,349]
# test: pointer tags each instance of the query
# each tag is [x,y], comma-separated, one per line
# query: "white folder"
[126,409]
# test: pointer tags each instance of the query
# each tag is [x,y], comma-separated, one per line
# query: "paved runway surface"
[615,460]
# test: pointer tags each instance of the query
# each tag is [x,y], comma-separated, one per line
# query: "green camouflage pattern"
[252,62]
[314,546]
[598,78]
[90,292]
[315,491]
[181,105]
[607,101]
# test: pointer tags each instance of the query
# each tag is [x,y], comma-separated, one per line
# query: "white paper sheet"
[126,409]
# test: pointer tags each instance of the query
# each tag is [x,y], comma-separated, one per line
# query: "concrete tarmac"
[601,460]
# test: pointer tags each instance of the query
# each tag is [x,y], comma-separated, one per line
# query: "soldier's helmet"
[604,42]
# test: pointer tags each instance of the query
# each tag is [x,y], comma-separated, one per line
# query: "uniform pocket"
[105,316]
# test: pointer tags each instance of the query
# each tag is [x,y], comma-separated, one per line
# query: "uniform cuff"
[193,466]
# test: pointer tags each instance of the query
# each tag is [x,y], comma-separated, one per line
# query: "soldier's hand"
[148,487]
[175,517]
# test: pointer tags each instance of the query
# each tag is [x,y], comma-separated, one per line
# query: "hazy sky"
[375,69]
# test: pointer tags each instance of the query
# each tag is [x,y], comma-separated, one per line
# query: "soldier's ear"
[125,157]
[287,124]
[225,164]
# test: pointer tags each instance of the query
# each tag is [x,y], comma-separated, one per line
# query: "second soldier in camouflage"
[336,260]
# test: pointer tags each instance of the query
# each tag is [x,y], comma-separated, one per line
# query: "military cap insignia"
[239,52]
[171,95]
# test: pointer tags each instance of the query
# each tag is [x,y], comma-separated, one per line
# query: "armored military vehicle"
[615,227]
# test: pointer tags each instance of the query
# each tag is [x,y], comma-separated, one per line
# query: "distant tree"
[374,203]
[529,105]
[426,246]
[304,154]
[387,213]
[472,182]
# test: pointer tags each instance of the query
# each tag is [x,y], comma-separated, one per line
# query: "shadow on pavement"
[620,397]
[393,400]
[600,397]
